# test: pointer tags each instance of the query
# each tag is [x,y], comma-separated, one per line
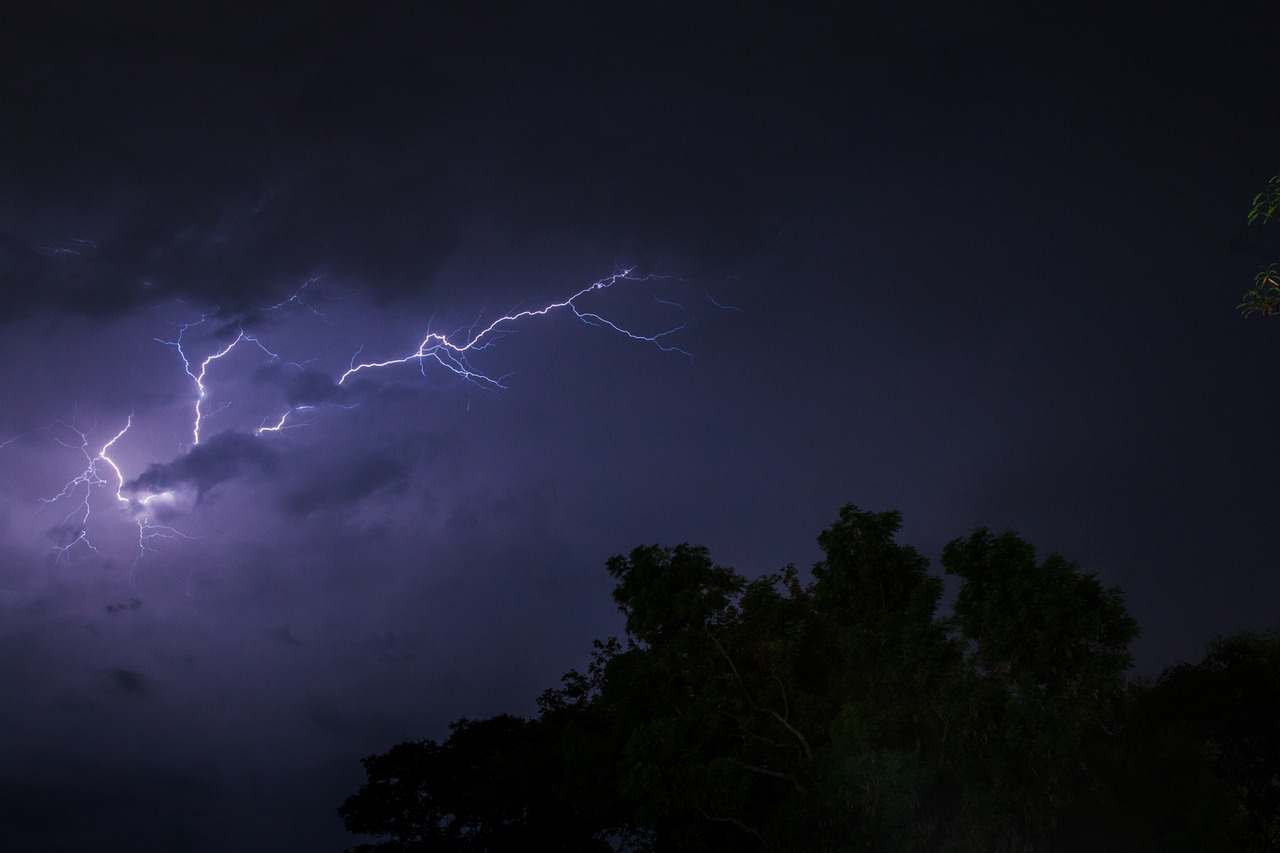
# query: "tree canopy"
[839,709]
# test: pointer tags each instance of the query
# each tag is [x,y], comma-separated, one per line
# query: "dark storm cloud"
[325,715]
[302,386]
[218,459]
[521,513]
[347,481]
[225,162]
[376,464]
[142,257]
[125,682]
[391,648]
[367,455]
[63,535]
[284,635]
[53,802]
[133,604]
[195,173]
[63,269]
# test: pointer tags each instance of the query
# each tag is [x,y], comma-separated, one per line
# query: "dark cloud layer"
[233,158]
[348,482]
[63,806]
[303,387]
[121,607]
[218,459]
[125,682]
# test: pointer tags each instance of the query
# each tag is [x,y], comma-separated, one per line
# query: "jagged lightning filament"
[453,356]
[198,377]
[90,477]
[94,476]
[452,352]
[280,425]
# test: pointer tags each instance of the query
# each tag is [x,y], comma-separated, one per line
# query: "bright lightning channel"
[101,470]
[96,475]
[453,356]
[198,377]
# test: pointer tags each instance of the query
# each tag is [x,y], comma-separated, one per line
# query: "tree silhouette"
[837,710]
[1228,705]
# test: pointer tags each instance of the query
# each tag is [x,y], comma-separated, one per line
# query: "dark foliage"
[844,713]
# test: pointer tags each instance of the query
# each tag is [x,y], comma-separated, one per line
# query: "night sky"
[975,262]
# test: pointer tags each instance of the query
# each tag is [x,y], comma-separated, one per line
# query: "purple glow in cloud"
[206,462]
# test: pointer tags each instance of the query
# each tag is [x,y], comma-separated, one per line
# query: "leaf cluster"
[1266,204]
[1264,297]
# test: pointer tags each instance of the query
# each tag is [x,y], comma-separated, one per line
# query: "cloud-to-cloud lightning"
[452,355]
[198,376]
[94,475]
[208,461]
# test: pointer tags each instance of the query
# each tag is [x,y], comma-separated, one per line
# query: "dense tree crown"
[839,710]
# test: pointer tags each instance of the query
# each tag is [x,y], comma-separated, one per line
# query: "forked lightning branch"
[137,502]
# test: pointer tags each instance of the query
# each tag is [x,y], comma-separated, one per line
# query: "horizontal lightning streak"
[452,356]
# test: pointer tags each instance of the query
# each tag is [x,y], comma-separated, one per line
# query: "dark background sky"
[986,255]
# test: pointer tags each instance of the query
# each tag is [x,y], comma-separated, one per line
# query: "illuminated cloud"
[220,458]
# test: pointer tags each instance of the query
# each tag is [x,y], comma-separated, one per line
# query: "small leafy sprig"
[1266,204]
[1264,297]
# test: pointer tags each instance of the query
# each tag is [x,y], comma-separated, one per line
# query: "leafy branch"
[1264,297]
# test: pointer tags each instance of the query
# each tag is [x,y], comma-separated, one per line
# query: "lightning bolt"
[100,471]
[297,299]
[281,426]
[453,353]
[90,477]
[453,356]
[197,377]
[70,247]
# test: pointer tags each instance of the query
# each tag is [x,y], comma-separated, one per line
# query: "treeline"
[841,712]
